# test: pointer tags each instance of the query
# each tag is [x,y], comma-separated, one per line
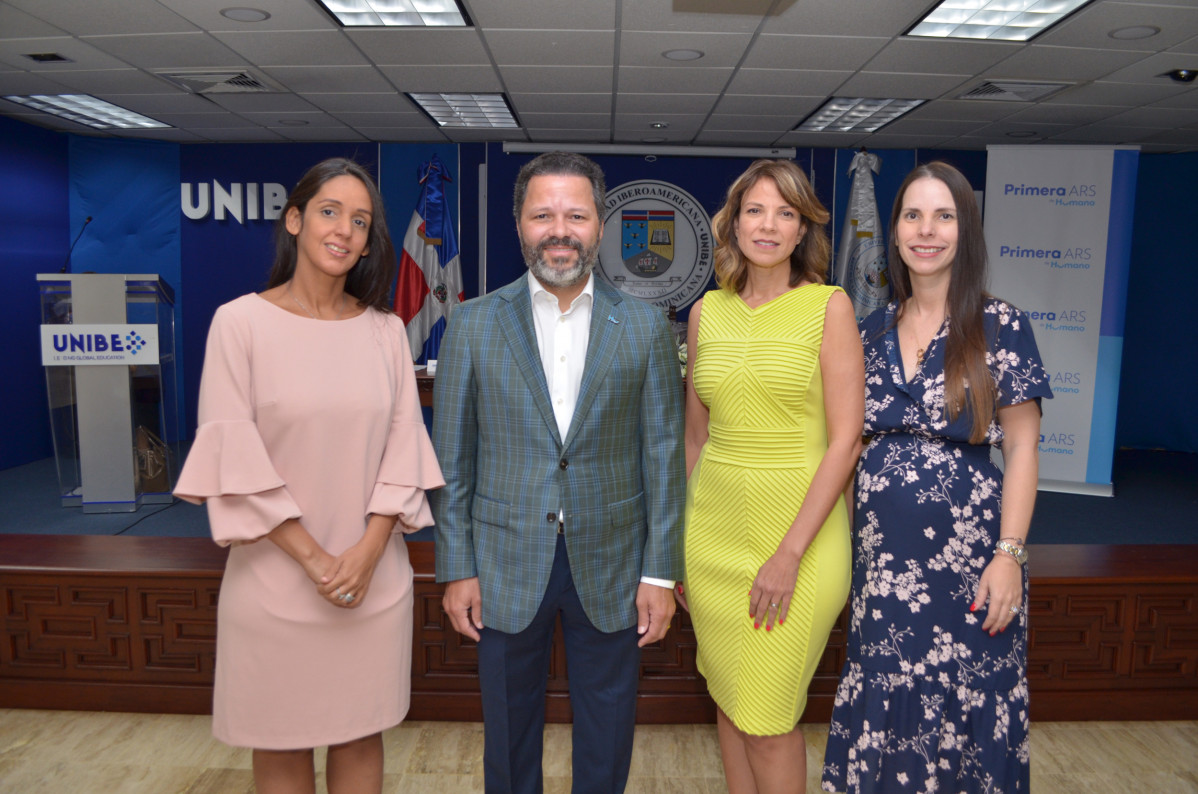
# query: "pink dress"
[300,418]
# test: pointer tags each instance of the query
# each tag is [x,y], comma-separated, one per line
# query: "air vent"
[1012,91]
[232,82]
[47,57]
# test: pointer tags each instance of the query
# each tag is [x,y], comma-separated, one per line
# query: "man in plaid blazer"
[558,418]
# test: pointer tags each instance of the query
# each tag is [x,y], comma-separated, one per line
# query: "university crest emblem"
[661,250]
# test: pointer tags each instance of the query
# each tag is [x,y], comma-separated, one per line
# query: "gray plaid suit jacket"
[619,475]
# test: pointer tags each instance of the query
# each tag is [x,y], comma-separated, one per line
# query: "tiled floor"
[66,752]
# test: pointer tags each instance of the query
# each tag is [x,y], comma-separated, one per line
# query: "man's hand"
[654,611]
[463,602]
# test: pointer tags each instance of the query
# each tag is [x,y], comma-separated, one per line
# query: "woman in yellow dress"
[775,400]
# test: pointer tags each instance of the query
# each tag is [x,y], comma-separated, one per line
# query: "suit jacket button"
[551,518]
[564,464]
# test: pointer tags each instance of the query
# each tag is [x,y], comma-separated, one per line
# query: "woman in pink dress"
[310,454]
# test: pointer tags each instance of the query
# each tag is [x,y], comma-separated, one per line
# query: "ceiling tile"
[302,79]
[313,48]
[567,121]
[1165,118]
[81,55]
[696,16]
[250,103]
[847,17]
[830,53]
[823,140]
[243,135]
[284,14]
[1118,94]
[1090,26]
[539,15]
[168,50]
[719,49]
[699,80]
[665,103]
[379,102]
[24,84]
[786,81]
[931,56]
[795,106]
[116,81]
[600,102]
[775,124]
[443,79]
[16,24]
[551,47]
[531,79]
[332,133]
[422,46]
[901,86]
[1149,70]
[127,16]
[1039,62]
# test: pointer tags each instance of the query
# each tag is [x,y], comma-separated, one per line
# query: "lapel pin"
[612,319]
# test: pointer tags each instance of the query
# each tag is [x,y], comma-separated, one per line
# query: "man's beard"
[550,276]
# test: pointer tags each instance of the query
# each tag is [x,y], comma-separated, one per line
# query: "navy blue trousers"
[513,672]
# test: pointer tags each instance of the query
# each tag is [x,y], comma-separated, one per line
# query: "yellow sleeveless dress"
[757,371]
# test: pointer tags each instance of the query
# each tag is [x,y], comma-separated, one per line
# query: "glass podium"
[108,343]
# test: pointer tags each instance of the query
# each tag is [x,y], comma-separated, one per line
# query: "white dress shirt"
[562,339]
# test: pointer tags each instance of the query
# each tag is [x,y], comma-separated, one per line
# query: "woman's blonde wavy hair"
[809,260]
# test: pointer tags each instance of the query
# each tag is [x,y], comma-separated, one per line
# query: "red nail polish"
[779,621]
[756,625]
[767,628]
[973,607]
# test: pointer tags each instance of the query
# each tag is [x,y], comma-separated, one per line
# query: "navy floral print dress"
[928,701]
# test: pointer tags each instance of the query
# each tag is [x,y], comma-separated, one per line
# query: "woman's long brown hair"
[967,379]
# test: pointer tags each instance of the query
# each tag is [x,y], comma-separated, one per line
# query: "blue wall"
[1159,377]
[64,178]
[34,225]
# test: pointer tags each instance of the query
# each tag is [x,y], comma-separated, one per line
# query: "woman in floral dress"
[933,695]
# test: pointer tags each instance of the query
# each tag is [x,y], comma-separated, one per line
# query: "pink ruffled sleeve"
[228,467]
[409,466]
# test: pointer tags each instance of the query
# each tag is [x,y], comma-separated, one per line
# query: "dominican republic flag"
[861,261]
[430,270]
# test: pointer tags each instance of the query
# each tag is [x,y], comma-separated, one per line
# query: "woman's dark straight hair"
[967,380]
[371,278]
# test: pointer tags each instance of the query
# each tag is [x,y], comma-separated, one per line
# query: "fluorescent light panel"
[997,20]
[476,111]
[397,13]
[85,109]
[849,114]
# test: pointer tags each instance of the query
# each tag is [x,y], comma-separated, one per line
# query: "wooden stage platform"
[129,624]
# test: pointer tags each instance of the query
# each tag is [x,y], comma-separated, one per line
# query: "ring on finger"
[1014,610]
[773,605]
[349,598]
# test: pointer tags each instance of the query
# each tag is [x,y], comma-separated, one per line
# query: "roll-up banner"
[1058,233]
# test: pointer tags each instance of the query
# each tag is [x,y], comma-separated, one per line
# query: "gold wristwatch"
[1016,551]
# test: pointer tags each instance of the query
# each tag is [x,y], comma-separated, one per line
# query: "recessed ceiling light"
[850,114]
[659,125]
[85,109]
[245,14]
[1134,32]
[397,13]
[1021,134]
[480,111]
[997,20]
[683,55]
